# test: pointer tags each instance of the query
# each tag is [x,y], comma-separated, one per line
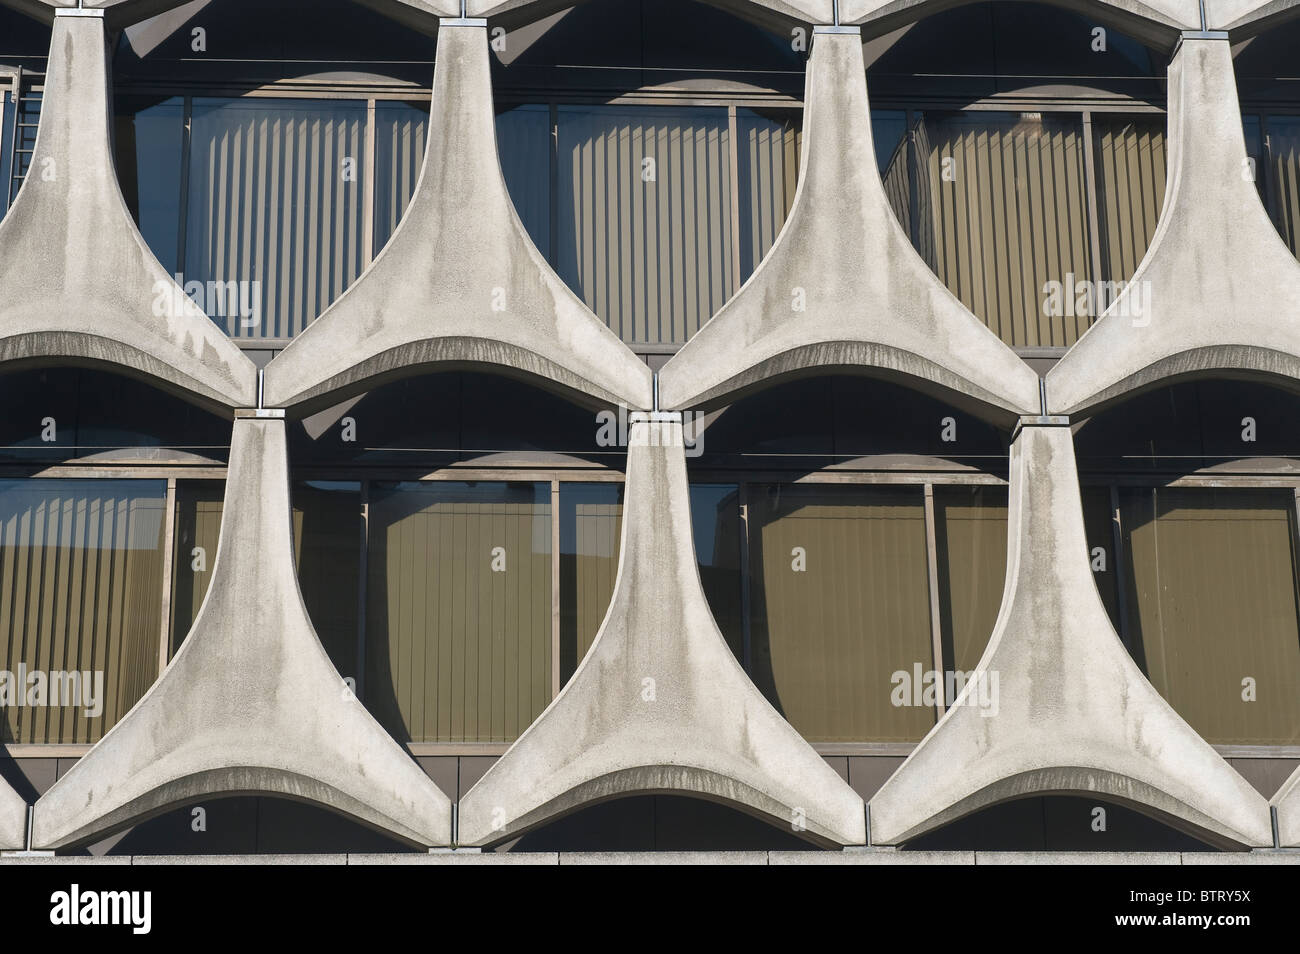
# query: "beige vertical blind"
[1003,212]
[80,591]
[458,629]
[645,225]
[197,531]
[1130,159]
[970,530]
[1212,604]
[327,550]
[400,134]
[828,639]
[768,153]
[275,195]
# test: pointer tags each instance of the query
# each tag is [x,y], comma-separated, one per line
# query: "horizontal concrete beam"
[660,704]
[1056,704]
[843,290]
[78,284]
[1218,292]
[460,285]
[251,702]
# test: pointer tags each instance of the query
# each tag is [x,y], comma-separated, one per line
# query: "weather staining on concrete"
[251,703]
[1218,292]
[80,284]
[460,283]
[843,288]
[660,704]
[13,819]
[1073,712]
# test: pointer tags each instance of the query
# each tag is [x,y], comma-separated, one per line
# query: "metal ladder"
[22,132]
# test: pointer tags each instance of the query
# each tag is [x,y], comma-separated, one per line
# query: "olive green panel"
[591,523]
[1213,608]
[970,529]
[458,630]
[327,550]
[768,151]
[1130,162]
[80,591]
[840,603]
[198,528]
[1003,212]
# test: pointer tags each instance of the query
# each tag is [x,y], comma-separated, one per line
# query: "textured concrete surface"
[1073,712]
[659,704]
[1245,18]
[80,285]
[460,283]
[775,14]
[1287,802]
[1156,22]
[251,703]
[1218,292]
[13,819]
[870,303]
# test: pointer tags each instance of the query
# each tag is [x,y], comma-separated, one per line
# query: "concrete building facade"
[638,437]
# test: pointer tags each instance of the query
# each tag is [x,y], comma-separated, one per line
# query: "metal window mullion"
[733,194]
[746,590]
[1094,222]
[936,629]
[182,220]
[362,586]
[370,184]
[168,557]
[1120,564]
[555,588]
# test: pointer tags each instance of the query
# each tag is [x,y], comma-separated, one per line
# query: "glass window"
[274,200]
[401,130]
[841,604]
[1002,208]
[768,174]
[1284,174]
[970,531]
[591,523]
[197,531]
[458,609]
[1131,173]
[149,141]
[80,604]
[1213,609]
[716,529]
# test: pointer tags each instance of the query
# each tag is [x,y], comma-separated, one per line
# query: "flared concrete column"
[251,703]
[1218,291]
[843,288]
[13,819]
[78,284]
[1287,805]
[1057,705]
[460,283]
[660,704]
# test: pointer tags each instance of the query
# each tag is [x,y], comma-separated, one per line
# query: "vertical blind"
[80,591]
[458,629]
[1131,169]
[970,530]
[827,639]
[1003,212]
[275,196]
[768,174]
[1212,603]
[400,133]
[1283,142]
[591,521]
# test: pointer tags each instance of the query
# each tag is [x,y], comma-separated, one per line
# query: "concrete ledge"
[460,284]
[251,703]
[659,704]
[78,284]
[169,860]
[1056,704]
[871,856]
[664,857]
[813,306]
[1079,857]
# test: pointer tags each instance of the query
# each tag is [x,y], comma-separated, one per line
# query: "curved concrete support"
[1218,292]
[843,288]
[1287,804]
[771,13]
[1057,705]
[251,703]
[660,704]
[460,284]
[13,819]
[78,284]
[1155,22]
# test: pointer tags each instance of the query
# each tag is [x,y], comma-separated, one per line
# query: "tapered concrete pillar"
[1057,705]
[460,283]
[78,284]
[1287,805]
[251,703]
[13,819]
[843,288]
[1218,293]
[660,704]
